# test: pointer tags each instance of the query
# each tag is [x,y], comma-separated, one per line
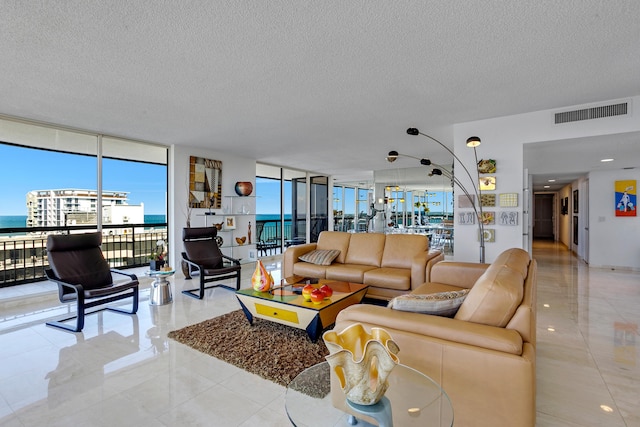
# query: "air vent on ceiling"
[592,113]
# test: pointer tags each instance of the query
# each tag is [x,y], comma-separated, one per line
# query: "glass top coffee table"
[285,304]
[412,399]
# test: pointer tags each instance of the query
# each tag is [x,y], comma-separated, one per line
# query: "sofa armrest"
[461,274]
[291,255]
[433,256]
[442,328]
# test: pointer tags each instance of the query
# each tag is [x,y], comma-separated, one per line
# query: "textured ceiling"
[328,86]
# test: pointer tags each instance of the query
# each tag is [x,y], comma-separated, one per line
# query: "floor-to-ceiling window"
[64,180]
[287,207]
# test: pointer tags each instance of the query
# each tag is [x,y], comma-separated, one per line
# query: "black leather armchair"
[83,276]
[204,258]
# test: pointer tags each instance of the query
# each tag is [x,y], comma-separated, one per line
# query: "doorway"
[543,221]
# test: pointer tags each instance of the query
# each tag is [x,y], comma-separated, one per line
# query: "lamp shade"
[413,131]
[473,141]
[392,156]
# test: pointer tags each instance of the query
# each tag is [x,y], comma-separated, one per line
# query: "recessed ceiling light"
[606,160]
[547,186]
[552,180]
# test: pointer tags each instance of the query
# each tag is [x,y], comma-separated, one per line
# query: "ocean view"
[20,221]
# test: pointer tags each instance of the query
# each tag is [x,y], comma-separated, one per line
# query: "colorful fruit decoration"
[261,279]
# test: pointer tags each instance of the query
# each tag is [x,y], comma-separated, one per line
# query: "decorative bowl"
[244,188]
[241,240]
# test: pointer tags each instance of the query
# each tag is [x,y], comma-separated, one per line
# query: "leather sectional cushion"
[347,272]
[397,246]
[497,294]
[306,269]
[335,240]
[389,278]
[439,304]
[366,249]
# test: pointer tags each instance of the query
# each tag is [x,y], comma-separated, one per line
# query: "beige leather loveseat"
[391,264]
[484,357]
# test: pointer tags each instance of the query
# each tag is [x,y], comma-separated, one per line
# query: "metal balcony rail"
[23,254]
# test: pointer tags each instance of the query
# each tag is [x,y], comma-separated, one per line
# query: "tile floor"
[122,370]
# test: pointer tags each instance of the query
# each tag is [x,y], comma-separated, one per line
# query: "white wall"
[234,169]
[503,139]
[614,242]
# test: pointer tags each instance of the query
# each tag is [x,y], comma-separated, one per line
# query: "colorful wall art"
[487,166]
[205,183]
[487,183]
[626,192]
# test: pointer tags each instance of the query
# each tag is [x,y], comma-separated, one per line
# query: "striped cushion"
[440,304]
[321,257]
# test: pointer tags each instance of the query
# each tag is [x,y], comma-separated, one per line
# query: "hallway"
[122,370]
[587,361]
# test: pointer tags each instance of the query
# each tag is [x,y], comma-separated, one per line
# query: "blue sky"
[268,197]
[25,169]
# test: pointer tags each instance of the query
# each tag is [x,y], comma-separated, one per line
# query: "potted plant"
[157,257]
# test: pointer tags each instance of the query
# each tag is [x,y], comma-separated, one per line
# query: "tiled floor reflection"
[122,370]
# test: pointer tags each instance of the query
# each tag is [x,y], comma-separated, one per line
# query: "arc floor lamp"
[472,142]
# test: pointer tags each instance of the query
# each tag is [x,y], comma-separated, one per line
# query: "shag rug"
[273,351]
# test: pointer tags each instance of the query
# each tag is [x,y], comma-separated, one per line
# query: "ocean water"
[20,221]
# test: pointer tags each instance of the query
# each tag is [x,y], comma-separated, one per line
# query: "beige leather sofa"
[391,264]
[484,357]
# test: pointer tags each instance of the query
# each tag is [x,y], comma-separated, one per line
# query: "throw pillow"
[321,256]
[444,304]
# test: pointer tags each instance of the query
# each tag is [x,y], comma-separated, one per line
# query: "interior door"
[543,221]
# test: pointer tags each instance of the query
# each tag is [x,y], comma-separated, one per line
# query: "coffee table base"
[291,309]
[313,327]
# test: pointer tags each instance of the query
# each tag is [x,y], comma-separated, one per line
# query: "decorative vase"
[244,188]
[155,265]
[362,361]
[261,279]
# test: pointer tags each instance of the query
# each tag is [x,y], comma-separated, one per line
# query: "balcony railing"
[23,253]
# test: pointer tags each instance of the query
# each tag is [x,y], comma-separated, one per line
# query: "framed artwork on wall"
[489,235]
[205,183]
[487,166]
[466,218]
[575,201]
[488,200]
[508,218]
[575,229]
[488,217]
[465,201]
[508,200]
[487,183]
[229,222]
[626,198]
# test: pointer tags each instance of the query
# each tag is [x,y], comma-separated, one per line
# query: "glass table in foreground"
[412,399]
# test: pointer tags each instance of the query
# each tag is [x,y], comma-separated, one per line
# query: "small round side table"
[413,399]
[161,287]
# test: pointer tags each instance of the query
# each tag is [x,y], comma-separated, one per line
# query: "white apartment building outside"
[55,208]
